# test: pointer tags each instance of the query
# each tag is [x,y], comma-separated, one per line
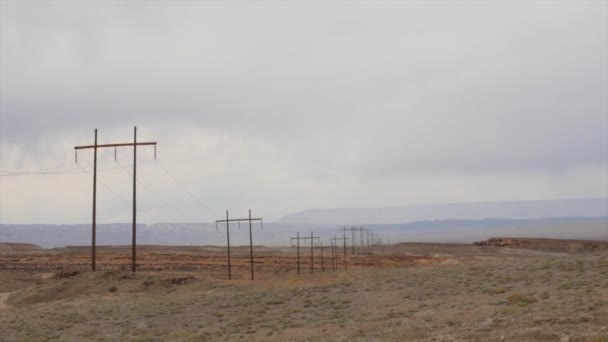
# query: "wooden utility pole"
[334,263]
[352,229]
[312,255]
[134,235]
[322,259]
[250,244]
[312,238]
[95,146]
[94,230]
[228,220]
[343,239]
[361,229]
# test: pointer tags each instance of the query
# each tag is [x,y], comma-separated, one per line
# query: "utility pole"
[352,229]
[322,260]
[343,239]
[298,237]
[134,235]
[95,146]
[335,246]
[377,239]
[335,254]
[94,230]
[312,258]
[312,238]
[251,244]
[228,220]
[361,237]
[333,257]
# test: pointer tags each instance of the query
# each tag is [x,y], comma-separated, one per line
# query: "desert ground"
[499,290]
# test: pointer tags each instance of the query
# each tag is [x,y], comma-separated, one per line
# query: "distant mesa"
[586,207]
[16,247]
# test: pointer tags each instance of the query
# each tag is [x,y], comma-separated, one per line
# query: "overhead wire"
[184,188]
[3,174]
[63,166]
[57,170]
[62,172]
[158,197]
[115,193]
[74,168]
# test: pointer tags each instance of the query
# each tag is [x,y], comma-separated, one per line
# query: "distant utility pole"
[376,239]
[335,239]
[331,245]
[312,238]
[94,229]
[322,259]
[361,229]
[334,263]
[352,229]
[228,220]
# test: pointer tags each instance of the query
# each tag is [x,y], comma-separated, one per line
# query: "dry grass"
[473,294]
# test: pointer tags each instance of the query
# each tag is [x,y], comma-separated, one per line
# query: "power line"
[158,197]
[63,172]
[185,189]
[66,167]
[95,147]
[44,169]
[38,173]
[50,171]
[114,192]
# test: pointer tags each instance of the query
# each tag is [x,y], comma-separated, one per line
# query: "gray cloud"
[323,104]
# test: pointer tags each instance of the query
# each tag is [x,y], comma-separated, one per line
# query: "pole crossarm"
[305,238]
[114,145]
[96,146]
[352,229]
[245,219]
[239,220]
[312,239]
[344,239]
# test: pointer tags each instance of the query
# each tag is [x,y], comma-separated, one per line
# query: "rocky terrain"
[407,292]
[532,243]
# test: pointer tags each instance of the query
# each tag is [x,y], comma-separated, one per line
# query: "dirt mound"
[76,284]
[532,243]
[15,247]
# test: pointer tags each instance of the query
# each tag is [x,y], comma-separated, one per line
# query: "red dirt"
[209,260]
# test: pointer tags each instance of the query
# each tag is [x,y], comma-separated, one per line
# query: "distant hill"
[59,235]
[14,247]
[465,223]
[587,207]
[280,233]
[469,231]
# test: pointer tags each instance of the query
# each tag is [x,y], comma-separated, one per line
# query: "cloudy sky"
[286,106]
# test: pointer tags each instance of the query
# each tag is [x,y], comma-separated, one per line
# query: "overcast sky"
[286,106]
